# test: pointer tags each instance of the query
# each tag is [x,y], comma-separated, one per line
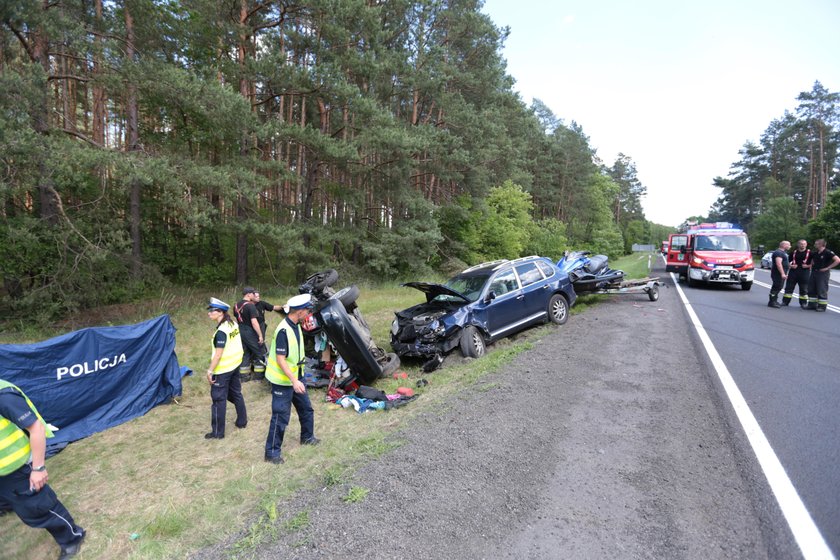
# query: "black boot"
[812,306]
[786,300]
[774,301]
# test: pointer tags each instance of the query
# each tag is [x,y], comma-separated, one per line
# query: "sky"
[677,86]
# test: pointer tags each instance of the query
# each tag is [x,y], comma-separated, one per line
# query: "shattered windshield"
[722,243]
[470,286]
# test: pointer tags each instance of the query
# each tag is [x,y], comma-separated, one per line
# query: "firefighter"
[778,272]
[252,335]
[23,472]
[223,373]
[262,307]
[822,261]
[799,273]
[285,368]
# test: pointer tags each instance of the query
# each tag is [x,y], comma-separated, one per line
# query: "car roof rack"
[488,264]
[525,258]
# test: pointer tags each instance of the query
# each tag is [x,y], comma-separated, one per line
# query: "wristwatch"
[42,468]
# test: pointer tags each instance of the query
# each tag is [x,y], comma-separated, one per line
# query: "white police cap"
[299,302]
[217,304]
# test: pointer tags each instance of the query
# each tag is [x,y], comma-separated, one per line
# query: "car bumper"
[421,349]
[723,276]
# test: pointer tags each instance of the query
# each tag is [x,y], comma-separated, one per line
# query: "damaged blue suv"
[480,305]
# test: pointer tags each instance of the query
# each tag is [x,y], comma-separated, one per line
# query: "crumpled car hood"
[434,290]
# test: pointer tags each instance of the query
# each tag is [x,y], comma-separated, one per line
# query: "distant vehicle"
[665,248]
[767,260]
[480,305]
[711,253]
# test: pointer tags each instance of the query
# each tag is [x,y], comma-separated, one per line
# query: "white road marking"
[805,531]
[768,286]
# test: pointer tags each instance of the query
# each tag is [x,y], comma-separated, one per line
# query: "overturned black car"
[482,304]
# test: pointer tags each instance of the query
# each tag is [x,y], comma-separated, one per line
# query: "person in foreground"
[284,370]
[23,471]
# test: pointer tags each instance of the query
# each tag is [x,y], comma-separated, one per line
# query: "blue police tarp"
[93,379]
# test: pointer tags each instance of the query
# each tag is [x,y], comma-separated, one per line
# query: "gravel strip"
[597,443]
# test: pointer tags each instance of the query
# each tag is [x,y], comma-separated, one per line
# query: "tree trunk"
[133,145]
[47,197]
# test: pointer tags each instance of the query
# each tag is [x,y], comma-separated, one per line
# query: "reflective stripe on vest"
[14,444]
[232,352]
[272,371]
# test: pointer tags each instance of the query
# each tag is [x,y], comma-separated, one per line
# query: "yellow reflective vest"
[294,358]
[14,442]
[232,353]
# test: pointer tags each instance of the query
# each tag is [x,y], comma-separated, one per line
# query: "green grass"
[355,494]
[155,488]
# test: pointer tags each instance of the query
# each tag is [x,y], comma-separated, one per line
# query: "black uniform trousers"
[40,510]
[254,352]
[283,397]
[797,277]
[226,387]
[818,289]
[778,283]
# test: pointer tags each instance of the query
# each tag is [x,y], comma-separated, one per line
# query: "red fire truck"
[711,253]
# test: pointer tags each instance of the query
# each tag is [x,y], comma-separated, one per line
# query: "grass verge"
[155,488]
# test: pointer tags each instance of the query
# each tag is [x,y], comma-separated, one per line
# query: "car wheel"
[318,281]
[746,286]
[692,283]
[653,293]
[347,296]
[558,309]
[389,364]
[472,343]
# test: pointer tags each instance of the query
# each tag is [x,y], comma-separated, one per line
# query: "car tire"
[472,343]
[558,309]
[746,286]
[692,283]
[653,293]
[347,296]
[318,281]
[389,364]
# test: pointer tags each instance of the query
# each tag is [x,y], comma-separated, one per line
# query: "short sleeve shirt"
[282,341]
[778,253]
[801,257]
[822,260]
[220,339]
[245,311]
[261,307]
[13,407]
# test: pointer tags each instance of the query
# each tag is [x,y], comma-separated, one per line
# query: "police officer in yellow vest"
[223,373]
[23,473]
[284,370]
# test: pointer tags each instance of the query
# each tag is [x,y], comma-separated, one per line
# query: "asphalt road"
[786,363]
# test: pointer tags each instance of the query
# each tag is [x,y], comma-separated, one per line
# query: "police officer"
[822,261]
[798,274]
[223,373]
[285,368]
[778,272]
[23,473]
[252,335]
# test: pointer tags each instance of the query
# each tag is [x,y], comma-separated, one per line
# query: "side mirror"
[490,297]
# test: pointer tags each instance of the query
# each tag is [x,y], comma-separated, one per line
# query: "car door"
[506,308]
[535,290]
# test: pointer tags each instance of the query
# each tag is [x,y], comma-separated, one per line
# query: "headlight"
[697,260]
[395,326]
[748,262]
